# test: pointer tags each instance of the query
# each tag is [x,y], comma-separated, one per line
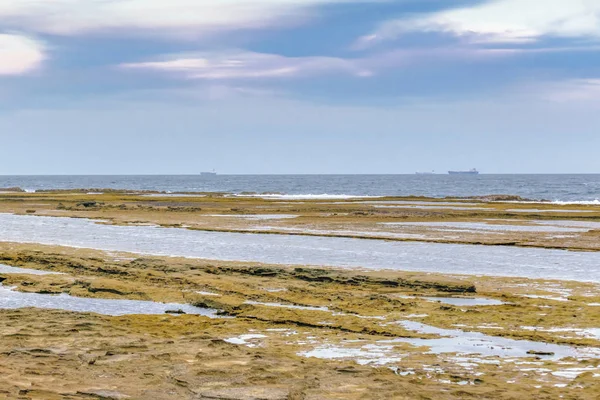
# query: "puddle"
[458,341]
[481,226]
[524,210]
[274,290]
[304,250]
[291,306]
[5,269]
[305,196]
[587,333]
[416,203]
[249,340]
[11,299]
[208,294]
[173,195]
[435,207]
[370,354]
[471,344]
[573,373]
[256,217]
[466,301]
[535,296]
[490,326]
[571,224]
[373,234]
[469,231]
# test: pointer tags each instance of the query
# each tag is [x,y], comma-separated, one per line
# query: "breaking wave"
[583,202]
[324,196]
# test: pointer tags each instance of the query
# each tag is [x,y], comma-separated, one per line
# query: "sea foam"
[323,196]
[584,202]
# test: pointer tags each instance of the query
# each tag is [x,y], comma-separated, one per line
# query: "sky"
[299,86]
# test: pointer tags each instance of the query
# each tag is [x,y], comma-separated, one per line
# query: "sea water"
[560,188]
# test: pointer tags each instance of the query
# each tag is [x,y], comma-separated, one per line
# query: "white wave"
[324,196]
[558,202]
[583,202]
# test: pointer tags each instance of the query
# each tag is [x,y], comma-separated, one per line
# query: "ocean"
[579,188]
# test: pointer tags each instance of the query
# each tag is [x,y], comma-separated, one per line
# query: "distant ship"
[469,172]
[211,173]
[425,173]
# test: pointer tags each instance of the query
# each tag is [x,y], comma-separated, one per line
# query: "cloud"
[19,54]
[573,90]
[246,65]
[250,65]
[180,17]
[502,21]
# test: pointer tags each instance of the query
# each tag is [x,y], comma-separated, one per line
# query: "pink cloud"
[19,54]
[185,18]
[250,65]
[499,21]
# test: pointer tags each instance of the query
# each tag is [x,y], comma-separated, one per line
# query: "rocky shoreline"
[291,332]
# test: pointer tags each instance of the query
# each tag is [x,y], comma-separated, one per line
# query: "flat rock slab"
[104,394]
[246,393]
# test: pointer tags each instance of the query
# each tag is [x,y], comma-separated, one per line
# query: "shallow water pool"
[5,269]
[304,250]
[11,299]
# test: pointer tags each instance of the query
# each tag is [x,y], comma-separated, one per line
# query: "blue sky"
[299,86]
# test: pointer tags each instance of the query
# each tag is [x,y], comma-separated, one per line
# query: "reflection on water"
[481,226]
[450,341]
[303,250]
[466,302]
[458,341]
[5,269]
[11,299]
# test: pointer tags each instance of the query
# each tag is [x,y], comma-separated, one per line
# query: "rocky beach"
[181,318]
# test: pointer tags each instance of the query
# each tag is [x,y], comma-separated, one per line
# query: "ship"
[425,173]
[209,173]
[469,172]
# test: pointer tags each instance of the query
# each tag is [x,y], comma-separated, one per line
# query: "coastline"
[371,218]
[347,330]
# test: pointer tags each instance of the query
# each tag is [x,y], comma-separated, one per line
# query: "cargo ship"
[469,172]
[211,173]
